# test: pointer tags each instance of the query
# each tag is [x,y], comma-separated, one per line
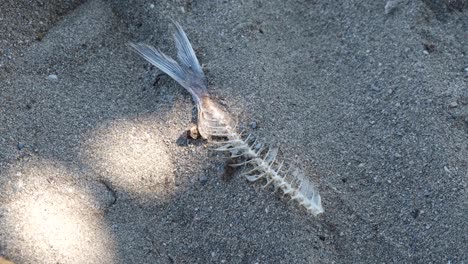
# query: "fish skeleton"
[216,124]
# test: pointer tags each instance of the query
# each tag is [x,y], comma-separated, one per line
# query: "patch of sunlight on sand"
[50,219]
[132,156]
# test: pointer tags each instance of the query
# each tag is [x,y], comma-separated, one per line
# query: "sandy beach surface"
[369,98]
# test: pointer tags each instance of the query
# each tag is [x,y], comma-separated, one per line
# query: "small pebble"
[466,69]
[253,125]
[151,5]
[391,5]
[426,52]
[375,88]
[52,77]
[203,179]
[453,104]
[193,132]
[20,146]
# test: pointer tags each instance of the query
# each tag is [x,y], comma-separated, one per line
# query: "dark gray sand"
[371,101]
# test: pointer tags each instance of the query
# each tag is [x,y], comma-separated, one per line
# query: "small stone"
[426,52]
[52,77]
[253,125]
[375,88]
[40,36]
[466,69]
[203,179]
[398,155]
[151,6]
[391,5]
[193,132]
[453,104]
[20,146]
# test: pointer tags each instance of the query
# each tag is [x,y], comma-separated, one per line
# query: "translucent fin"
[311,197]
[195,79]
[270,157]
[160,60]
[185,52]
[187,72]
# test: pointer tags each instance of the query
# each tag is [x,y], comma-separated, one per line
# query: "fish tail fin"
[187,72]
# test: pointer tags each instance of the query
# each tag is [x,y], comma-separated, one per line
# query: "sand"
[369,98]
